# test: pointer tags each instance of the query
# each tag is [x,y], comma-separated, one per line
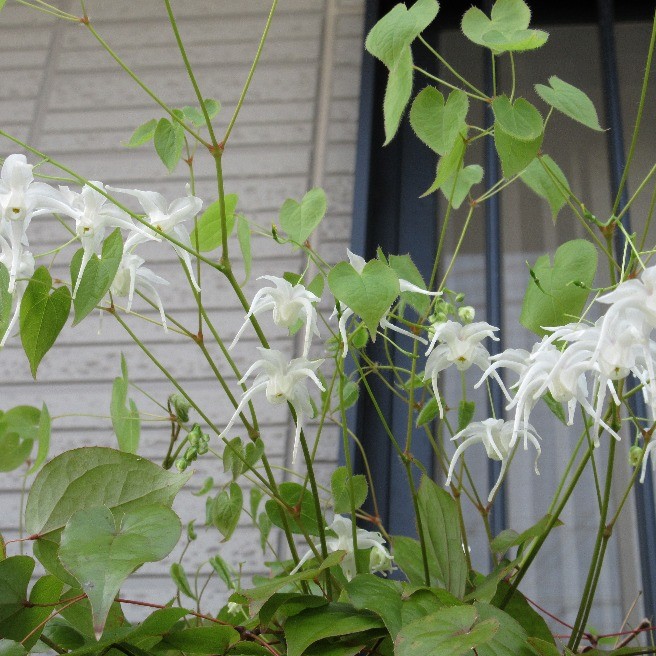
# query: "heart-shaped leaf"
[551,299]
[397,93]
[226,510]
[456,188]
[299,220]
[195,114]
[96,476]
[340,485]
[207,234]
[169,141]
[437,123]
[505,30]
[570,101]
[547,180]
[42,316]
[369,294]
[98,275]
[520,119]
[300,499]
[515,154]
[101,553]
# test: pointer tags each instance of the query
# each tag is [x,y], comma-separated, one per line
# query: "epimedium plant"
[94,515]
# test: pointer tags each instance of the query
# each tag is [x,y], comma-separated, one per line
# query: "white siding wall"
[64,95]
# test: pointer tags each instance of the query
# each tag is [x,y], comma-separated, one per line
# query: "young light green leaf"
[515,154]
[255,498]
[299,220]
[397,94]
[429,411]
[265,524]
[520,119]
[101,553]
[244,237]
[555,407]
[42,316]
[439,517]
[96,476]
[195,114]
[556,301]
[227,509]
[547,180]
[369,294]
[209,230]
[457,187]
[506,30]
[43,439]
[180,579]
[233,457]
[125,416]
[437,123]
[223,570]
[340,484]
[143,134]
[570,101]
[449,164]
[98,275]
[207,485]
[169,140]
[451,631]
[335,619]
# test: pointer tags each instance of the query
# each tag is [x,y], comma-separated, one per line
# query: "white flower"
[24,271]
[459,345]
[497,436]
[380,559]
[283,381]
[21,199]
[131,276]
[358,263]
[168,219]
[93,213]
[290,304]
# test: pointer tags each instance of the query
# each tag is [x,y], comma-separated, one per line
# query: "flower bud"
[466,313]
[191,531]
[635,455]
[460,297]
[181,406]
[191,454]
[181,464]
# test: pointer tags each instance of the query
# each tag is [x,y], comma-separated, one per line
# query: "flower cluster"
[22,198]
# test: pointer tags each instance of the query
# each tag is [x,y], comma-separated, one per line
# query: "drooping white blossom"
[282,381]
[169,219]
[380,559]
[497,436]
[290,304]
[24,271]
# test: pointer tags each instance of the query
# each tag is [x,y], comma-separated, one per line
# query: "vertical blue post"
[644,496]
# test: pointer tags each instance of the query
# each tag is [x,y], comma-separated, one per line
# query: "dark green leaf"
[286,604]
[466,410]
[382,597]
[430,410]
[301,501]
[509,640]
[42,316]
[15,573]
[202,639]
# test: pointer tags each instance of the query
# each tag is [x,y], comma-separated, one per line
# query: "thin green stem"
[650,214]
[251,72]
[51,12]
[458,246]
[512,76]
[637,192]
[430,76]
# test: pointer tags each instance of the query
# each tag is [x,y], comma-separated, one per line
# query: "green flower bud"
[191,454]
[181,406]
[181,464]
[466,313]
[202,448]
[191,531]
[460,297]
[635,454]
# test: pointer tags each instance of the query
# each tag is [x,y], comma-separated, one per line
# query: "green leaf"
[299,220]
[440,520]
[15,573]
[335,619]
[207,485]
[244,237]
[448,165]
[201,639]
[369,294]
[14,451]
[195,114]
[466,411]
[394,32]
[264,524]
[397,94]
[520,119]
[254,499]
[351,394]
[406,270]
[570,101]
[42,316]
[169,140]
[180,579]
[24,420]
[302,501]
[509,640]
[428,412]
[96,476]
[223,570]
[143,134]
[437,123]
[6,300]
[28,619]
[44,440]
[452,631]
[233,457]
[407,555]
[515,154]
[555,407]
[544,648]
[340,484]
[97,277]
[9,647]
[226,510]
[208,231]
[286,604]
[506,30]
[547,180]
[101,553]
[456,188]
[424,601]
[380,596]
[556,301]
[125,416]
[509,538]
